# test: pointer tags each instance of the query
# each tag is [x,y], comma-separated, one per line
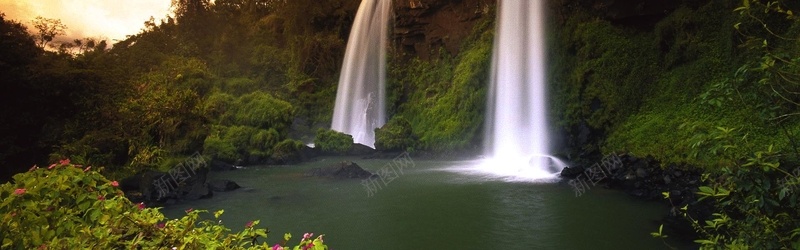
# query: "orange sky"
[106,19]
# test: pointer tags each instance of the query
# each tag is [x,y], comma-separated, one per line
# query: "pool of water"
[432,205]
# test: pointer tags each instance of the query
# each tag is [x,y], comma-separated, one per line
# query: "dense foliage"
[708,83]
[395,135]
[208,77]
[444,99]
[67,206]
[711,84]
[331,141]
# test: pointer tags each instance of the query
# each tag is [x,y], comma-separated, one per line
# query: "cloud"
[110,19]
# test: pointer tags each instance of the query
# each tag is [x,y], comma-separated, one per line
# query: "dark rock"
[217,165]
[572,172]
[421,28]
[641,172]
[647,179]
[635,13]
[342,170]
[195,187]
[360,150]
[308,153]
[159,187]
[223,185]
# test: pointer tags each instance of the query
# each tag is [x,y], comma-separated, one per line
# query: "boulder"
[360,150]
[572,172]
[342,170]
[223,185]
[159,187]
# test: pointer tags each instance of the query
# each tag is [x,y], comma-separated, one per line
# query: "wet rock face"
[632,9]
[635,13]
[422,27]
[342,170]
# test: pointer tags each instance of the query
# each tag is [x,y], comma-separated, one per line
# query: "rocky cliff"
[422,27]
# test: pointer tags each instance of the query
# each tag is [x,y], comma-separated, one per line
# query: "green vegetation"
[332,141]
[71,207]
[709,85]
[444,99]
[396,135]
[229,77]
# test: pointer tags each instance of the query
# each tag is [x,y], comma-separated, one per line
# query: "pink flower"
[51,166]
[249,224]
[115,184]
[277,247]
[19,191]
[87,169]
[64,162]
[307,236]
[140,205]
[189,210]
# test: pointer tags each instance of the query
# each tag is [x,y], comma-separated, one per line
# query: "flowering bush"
[67,206]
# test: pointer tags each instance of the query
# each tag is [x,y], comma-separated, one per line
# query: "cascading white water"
[516,127]
[360,105]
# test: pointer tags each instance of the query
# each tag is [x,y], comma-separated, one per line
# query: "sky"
[105,19]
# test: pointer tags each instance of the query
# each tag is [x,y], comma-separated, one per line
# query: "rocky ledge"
[647,179]
[342,170]
[180,184]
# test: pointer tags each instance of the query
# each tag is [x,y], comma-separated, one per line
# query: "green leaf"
[706,190]
[782,193]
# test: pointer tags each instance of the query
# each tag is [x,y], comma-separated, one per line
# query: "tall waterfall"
[360,105]
[516,127]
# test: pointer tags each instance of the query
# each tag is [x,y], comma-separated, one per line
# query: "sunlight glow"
[113,20]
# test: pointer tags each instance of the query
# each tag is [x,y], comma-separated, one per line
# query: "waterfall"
[516,135]
[360,106]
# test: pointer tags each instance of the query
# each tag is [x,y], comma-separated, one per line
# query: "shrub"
[71,207]
[395,135]
[330,141]
[262,110]
[240,142]
[287,151]
[755,205]
[217,148]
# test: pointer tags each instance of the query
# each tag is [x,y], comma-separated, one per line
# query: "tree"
[48,29]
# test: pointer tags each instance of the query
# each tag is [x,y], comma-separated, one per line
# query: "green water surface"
[432,205]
